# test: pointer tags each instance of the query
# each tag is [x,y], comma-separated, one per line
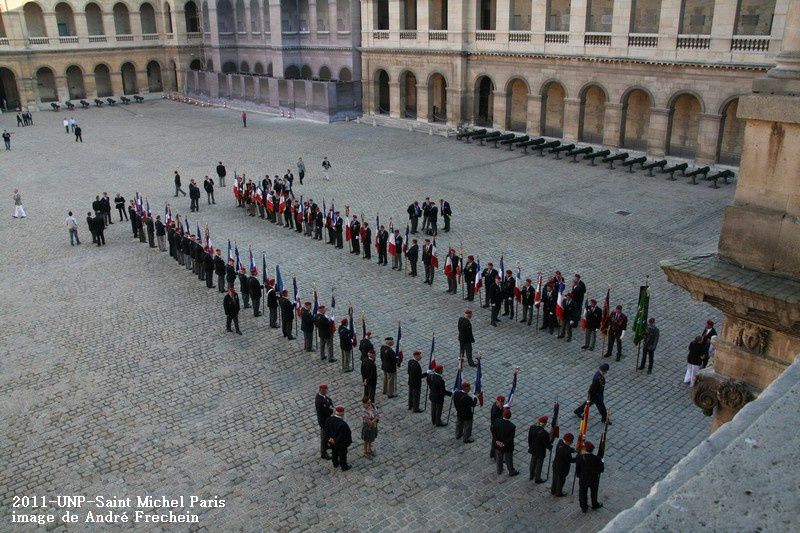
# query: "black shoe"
[440,425]
[345,468]
[585,509]
[472,364]
[417,411]
[560,337]
[584,347]
[468,441]
[238,332]
[325,456]
[598,506]
[229,330]
[539,481]
[560,494]
[291,338]
[332,360]
[649,371]
[513,473]
[618,357]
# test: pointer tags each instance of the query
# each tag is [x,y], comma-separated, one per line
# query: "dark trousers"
[367,251]
[464,428]
[583,489]
[210,279]
[527,313]
[413,265]
[122,213]
[150,238]
[508,307]
[339,456]
[369,390]
[495,312]
[611,341]
[194,205]
[273,317]
[413,398]
[234,319]
[414,223]
[101,239]
[436,413]
[221,282]
[501,457]
[559,478]
[356,246]
[429,270]
[256,305]
[536,467]
[647,355]
[446,222]
[470,290]
[210,197]
[323,441]
[286,326]
[465,349]
[452,284]
[308,340]
[326,346]
[382,257]
[601,408]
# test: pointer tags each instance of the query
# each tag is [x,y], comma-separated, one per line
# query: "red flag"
[583,318]
[448,266]
[282,205]
[392,244]
[434,259]
[537,297]
[347,232]
[560,306]
[605,319]
[270,204]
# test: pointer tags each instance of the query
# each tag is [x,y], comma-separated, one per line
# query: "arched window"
[147,16]
[46,85]
[65,20]
[255,16]
[34,20]
[128,78]
[122,20]
[191,17]
[484,101]
[381,88]
[102,81]
[94,19]
[636,105]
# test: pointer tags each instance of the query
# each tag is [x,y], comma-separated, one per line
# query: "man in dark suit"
[208,266]
[578,290]
[414,213]
[414,382]
[90,225]
[412,255]
[106,203]
[221,173]
[355,235]
[447,214]
[324,408]
[469,271]
[367,240]
[496,297]
[231,305]
[508,285]
[219,270]
[465,337]
[504,432]
[495,414]
[383,243]
[208,185]
[593,316]
[561,463]
[538,443]
[346,345]
[151,232]
[527,298]
[132,217]
[97,205]
[596,393]
[194,196]
[433,217]
[618,323]
[161,231]
[99,228]
[464,403]
[489,276]
[365,345]
[307,327]
[452,275]
[287,315]
[244,286]
[369,375]
[708,332]
[339,438]
[230,273]
[549,297]
[272,303]
[325,334]
[571,316]
[254,288]
[588,468]
[427,261]
[389,367]
[437,391]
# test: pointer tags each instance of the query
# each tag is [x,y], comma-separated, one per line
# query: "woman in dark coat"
[697,350]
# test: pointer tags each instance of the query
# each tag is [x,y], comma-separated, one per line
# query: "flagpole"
[430,358]
[516,302]
[461,258]
[460,366]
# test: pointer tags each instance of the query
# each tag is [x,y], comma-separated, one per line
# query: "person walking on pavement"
[178,185]
[244,119]
[649,345]
[19,211]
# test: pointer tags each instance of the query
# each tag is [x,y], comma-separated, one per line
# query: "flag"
[605,319]
[434,259]
[399,351]
[238,261]
[352,324]
[278,279]
[363,326]
[537,297]
[457,384]
[431,360]
[167,214]
[252,261]
[199,235]
[392,243]
[560,305]
[296,293]
[584,426]
[479,383]
[448,265]
[188,229]
[264,276]
[405,242]
[554,429]
[230,253]
[282,204]
[642,308]
[209,244]
[235,185]
[259,193]
[601,447]
[149,214]
[583,317]
[315,309]
[518,286]
[333,302]
[513,390]
[502,271]
[270,202]
[478,277]
[347,232]
[460,263]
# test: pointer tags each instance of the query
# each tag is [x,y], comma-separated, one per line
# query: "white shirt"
[72,223]
[66,122]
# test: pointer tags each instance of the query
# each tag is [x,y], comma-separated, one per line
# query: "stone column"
[534,115]
[499,110]
[312,16]
[538,25]
[612,125]
[723,25]
[62,90]
[708,138]
[213,52]
[657,133]
[423,19]
[368,102]
[668,25]
[89,85]
[453,106]
[81,28]
[108,24]
[621,25]
[394,21]
[394,99]
[577,22]
[141,81]
[274,92]
[333,20]
[116,82]
[135,19]
[423,113]
[572,119]
[502,20]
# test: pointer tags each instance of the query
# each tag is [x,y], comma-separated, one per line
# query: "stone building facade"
[661,76]
[58,50]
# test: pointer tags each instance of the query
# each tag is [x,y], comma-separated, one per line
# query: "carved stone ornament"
[733,394]
[704,395]
[752,338]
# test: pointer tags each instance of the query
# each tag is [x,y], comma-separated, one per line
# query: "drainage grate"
[623,213]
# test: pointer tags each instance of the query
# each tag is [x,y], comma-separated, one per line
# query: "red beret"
[569,437]
[323,386]
[439,368]
[588,446]
[254,271]
[709,323]
[339,409]
[543,420]
[344,321]
[368,333]
[470,258]
[417,352]
[506,412]
[465,386]
[528,280]
[501,398]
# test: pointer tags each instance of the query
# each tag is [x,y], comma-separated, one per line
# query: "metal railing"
[380,35]
[408,35]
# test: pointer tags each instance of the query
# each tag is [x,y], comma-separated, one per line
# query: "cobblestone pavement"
[117,377]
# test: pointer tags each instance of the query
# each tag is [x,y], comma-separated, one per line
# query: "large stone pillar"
[394,99]
[62,90]
[142,86]
[422,103]
[612,125]
[723,25]
[668,25]
[621,25]
[572,119]
[502,20]
[708,138]
[453,106]
[499,110]
[538,25]
[577,22]
[534,115]
[657,133]
[116,82]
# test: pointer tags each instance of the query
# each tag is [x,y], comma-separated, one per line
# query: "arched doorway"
[306,73]
[196,64]
[593,112]
[731,136]
[75,85]
[684,124]
[102,81]
[408,94]
[437,98]
[9,94]
[34,20]
[46,84]
[244,68]
[484,101]
[224,17]
[229,67]
[345,74]
[382,102]
[154,83]
[324,73]
[258,68]
[128,78]
[553,109]
[191,17]
[291,73]
[636,105]
[517,105]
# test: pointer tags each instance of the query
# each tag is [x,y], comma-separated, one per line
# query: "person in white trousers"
[19,211]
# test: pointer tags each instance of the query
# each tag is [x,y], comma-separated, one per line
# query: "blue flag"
[238,261]
[479,383]
[315,309]
[457,384]
[513,390]
[431,360]
[264,277]
[278,279]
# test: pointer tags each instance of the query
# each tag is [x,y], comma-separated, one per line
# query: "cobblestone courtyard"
[117,378]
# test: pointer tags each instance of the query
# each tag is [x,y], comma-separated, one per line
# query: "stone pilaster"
[708,138]
[572,118]
[394,99]
[612,125]
[657,133]
[534,115]
[499,110]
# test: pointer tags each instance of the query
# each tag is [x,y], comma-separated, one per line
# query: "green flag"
[640,322]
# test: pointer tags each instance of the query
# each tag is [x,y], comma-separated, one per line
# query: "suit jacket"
[651,337]
[160,228]
[364,347]
[464,403]
[593,317]
[412,254]
[617,324]
[437,390]
[324,407]
[272,298]
[414,374]
[563,457]
[369,371]
[306,321]
[287,310]
[388,359]
[219,266]
[254,288]
[597,388]
[578,292]
[338,430]
[465,330]
[469,271]
[505,431]
[588,468]
[538,441]
[323,326]
[221,172]
[231,305]
[244,284]
[528,294]
[345,339]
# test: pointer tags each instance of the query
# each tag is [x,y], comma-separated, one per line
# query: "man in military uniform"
[287,315]
[141,221]
[571,316]
[307,327]
[649,344]
[588,468]
[254,288]
[365,345]
[230,273]
[412,255]
[452,275]
[464,403]
[132,216]
[161,231]
[496,297]
[208,265]
[355,236]
[339,228]
[367,240]
[369,375]
[593,317]
[495,414]
[414,213]
[414,382]
[504,432]
[383,243]
[325,334]
[437,391]
[465,337]
[427,262]
[151,232]
[389,367]
[244,286]
[219,270]
[527,297]
[508,285]
[538,443]
[231,305]
[324,407]
[561,463]
[596,393]
[489,276]
[447,214]
[186,250]
[319,223]
[469,271]
[339,438]
[578,290]
[272,303]
[549,297]
[617,324]
[346,345]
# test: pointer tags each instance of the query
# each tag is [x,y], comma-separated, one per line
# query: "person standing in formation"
[307,327]
[412,255]
[497,297]
[339,438]
[389,367]
[588,468]
[465,337]
[495,414]
[437,391]
[447,214]
[369,375]
[324,334]
[618,323]
[561,464]
[346,345]
[132,218]
[414,382]
[650,342]
[527,298]
[397,257]
[504,432]
[287,315]
[427,261]
[571,316]
[161,232]
[324,407]
[508,287]
[549,298]
[464,403]
[367,240]
[355,235]
[365,345]
[383,243]
[178,189]
[272,303]
[452,274]
[254,289]
[151,232]
[414,212]
[208,185]
[231,305]
[538,443]
[219,270]
[593,317]
[369,428]
[469,273]
[244,286]
[72,227]
[489,274]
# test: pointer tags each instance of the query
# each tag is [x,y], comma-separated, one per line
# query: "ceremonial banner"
[605,319]
[642,309]
[479,383]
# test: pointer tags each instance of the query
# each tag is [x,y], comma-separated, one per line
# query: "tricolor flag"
[537,297]
[347,232]
[167,214]
[584,426]
[278,279]
[502,271]
[377,231]
[554,429]
[209,245]
[199,235]
[457,384]
[605,319]
[405,242]
[230,253]
[270,202]
[264,276]
[518,286]
[315,308]
[431,360]
[560,305]
[235,185]
[238,260]
[296,293]
[259,193]
[513,390]
[399,351]
[583,317]
[282,204]
[363,326]
[252,261]
[188,229]
[479,383]
[434,259]
[478,277]
[149,214]
[352,325]
[392,243]
[448,265]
